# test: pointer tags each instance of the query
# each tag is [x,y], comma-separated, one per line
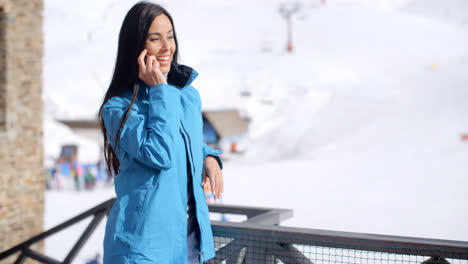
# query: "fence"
[259,239]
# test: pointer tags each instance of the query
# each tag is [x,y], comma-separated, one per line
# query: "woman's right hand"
[149,71]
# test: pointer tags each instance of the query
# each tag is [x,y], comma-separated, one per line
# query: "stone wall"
[22,181]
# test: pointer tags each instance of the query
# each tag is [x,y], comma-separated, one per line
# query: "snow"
[358,130]
[453,11]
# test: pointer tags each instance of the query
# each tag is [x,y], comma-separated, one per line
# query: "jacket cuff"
[215,153]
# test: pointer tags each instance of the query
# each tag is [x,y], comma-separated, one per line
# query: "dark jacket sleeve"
[148,138]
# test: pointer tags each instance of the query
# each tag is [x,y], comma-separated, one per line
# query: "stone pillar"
[22,179]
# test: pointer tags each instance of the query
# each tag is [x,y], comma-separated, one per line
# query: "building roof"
[84,123]
[226,122]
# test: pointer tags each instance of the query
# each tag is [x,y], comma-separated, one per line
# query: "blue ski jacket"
[160,142]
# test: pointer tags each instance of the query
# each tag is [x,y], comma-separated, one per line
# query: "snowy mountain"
[455,11]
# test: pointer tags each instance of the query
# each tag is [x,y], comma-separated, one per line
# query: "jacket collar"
[181,75]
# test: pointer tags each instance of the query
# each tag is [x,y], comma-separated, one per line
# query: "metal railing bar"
[227,251]
[435,260]
[237,257]
[250,256]
[84,237]
[288,254]
[21,258]
[248,211]
[273,217]
[347,240]
[105,206]
[40,257]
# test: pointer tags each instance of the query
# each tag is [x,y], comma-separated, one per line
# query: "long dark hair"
[132,37]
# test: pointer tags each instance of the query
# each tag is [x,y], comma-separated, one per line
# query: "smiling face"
[160,42]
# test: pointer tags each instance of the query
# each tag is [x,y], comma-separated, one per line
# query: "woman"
[152,125]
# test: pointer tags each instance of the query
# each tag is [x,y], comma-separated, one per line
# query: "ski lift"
[287,11]
[245,93]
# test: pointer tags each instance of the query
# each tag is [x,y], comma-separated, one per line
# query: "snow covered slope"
[455,11]
[363,125]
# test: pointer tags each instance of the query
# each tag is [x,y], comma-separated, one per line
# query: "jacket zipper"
[193,190]
[190,144]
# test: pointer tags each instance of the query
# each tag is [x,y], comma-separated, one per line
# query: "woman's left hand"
[212,171]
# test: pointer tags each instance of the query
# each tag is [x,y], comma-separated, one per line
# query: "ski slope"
[452,11]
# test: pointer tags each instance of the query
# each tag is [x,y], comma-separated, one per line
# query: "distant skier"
[95,260]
